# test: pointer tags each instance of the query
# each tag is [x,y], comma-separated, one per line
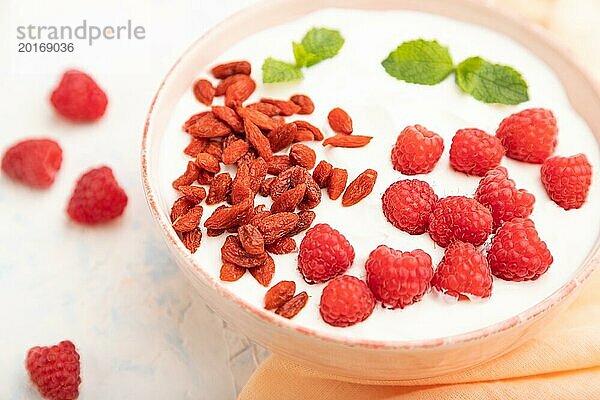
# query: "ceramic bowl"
[360,359]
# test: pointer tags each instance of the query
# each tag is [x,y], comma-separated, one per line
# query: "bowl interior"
[581,93]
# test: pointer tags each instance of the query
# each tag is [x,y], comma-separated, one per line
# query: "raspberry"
[397,278]
[97,197]
[407,205]
[567,180]
[517,253]
[417,150]
[475,152]
[346,301]
[463,271]
[78,97]
[529,135]
[33,162]
[55,370]
[459,218]
[499,193]
[324,254]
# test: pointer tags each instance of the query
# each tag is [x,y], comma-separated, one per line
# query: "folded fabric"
[562,363]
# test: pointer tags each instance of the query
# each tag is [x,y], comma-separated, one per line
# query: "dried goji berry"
[340,121]
[259,119]
[276,226]
[180,207]
[208,162]
[286,107]
[289,200]
[192,239]
[292,307]
[220,188]
[196,146]
[264,273]
[304,102]
[204,91]
[308,127]
[194,193]
[230,217]
[359,188]
[284,245]
[188,221]
[231,68]
[322,172]
[188,177]
[238,92]
[251,239]
[233,252]
[231,272]
[256,138]
[282,136]
[229,116]
[302,155]
[279,294]
[337,183]
[234,151]
[208,126]
[278,164]
[349,141]
[265,108]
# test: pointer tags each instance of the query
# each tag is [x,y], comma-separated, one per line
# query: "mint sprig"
[491,83]
[279,71]
[318,44]
[419,61]
[428,63]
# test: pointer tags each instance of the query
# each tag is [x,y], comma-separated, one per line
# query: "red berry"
[459,218]
[499,193]
[397,278]
[463,271]
[79,98]
[346,301]
[54,370]
[324,253]
[517,253]
[33,162]
[475,152]
[97,197]
[407,205]
[417,150]
[567,180]
[529,135]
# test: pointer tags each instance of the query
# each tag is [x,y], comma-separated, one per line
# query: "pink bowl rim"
[532,313]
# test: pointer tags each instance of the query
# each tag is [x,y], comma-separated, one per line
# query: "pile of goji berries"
[271,161]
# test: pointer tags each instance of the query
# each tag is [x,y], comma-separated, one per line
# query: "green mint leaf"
[275,71]
[419,61]
[320,44]
[491,83]
[303,58]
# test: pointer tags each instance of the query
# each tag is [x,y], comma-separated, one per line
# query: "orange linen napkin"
[562,362]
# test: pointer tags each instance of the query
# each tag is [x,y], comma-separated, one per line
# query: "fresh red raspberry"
[407,205]
[397,278]
[567,180]
[33,162]
[97,197]
[324,253]
[417,150]
[346,301]
[463,272]
[459,218]
[517,253]
[475,152]
[499,193]
[54,370]
[79,98]
[529,135]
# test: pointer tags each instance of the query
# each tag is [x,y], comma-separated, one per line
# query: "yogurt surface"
[382,106]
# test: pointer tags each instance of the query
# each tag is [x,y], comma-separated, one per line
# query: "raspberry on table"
[345,301]
[498,192]
[54,370]
[567,180]
[79,98]
[475,152]
[417,150]
[97,197]
[34,162]
[324,253]
[459,218]
[397,278]
[517,253]
[529,135]
[463,272]
[407,205]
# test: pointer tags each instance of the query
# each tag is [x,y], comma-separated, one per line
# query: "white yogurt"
[382,106]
